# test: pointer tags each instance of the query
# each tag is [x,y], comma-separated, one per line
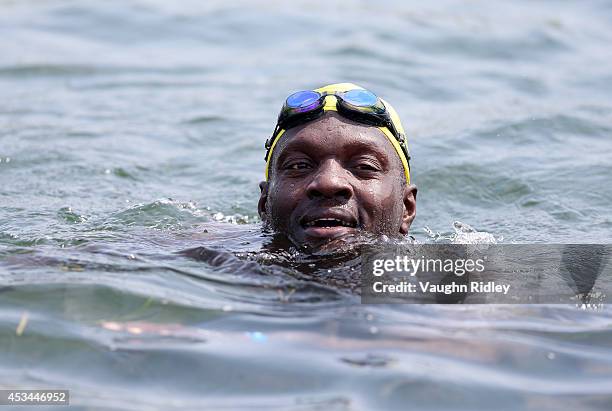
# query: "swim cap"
[330,105]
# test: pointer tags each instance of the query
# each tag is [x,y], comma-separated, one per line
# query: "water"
[130,131]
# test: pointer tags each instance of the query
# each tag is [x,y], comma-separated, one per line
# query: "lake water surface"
[132,130]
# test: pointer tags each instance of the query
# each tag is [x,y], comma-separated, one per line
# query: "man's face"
[333,177]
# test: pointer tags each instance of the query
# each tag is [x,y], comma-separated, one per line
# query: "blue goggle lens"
[303,100]
[360,98]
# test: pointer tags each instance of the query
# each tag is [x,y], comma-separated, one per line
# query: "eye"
[366,167]
[297,165]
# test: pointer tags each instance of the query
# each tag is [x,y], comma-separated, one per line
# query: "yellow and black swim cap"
[330,104]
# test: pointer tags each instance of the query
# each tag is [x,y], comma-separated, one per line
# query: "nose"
[331,182]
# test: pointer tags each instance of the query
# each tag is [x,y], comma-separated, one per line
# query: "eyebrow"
[368,148]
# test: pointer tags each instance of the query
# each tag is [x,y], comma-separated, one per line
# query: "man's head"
[332,177]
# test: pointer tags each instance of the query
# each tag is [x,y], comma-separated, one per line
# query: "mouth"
[328,224]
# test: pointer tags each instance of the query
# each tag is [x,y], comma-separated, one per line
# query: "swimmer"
[337,165]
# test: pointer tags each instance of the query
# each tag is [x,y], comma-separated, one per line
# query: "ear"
[263,198]
[410,194]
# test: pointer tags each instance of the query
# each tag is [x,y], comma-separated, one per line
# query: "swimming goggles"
[359,105]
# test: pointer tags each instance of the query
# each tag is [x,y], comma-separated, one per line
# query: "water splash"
[463,234]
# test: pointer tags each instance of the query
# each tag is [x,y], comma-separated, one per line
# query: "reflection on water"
[219,314]
[131,132]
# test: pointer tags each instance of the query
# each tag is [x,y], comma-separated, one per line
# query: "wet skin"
[332,178]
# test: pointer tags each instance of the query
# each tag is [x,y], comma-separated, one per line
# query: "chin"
[335,242]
